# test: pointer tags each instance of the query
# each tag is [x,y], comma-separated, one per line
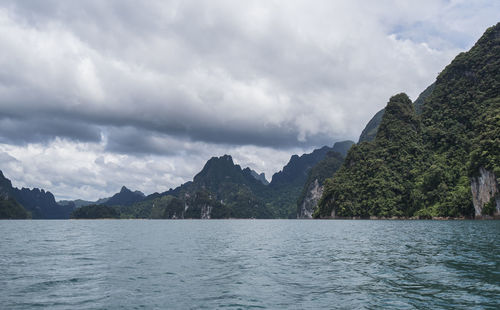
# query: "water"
[242,264]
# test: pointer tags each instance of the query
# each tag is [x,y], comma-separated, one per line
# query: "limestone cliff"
[313,188]
[308,205]
[485,189]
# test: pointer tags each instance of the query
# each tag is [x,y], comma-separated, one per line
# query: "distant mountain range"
[221,189]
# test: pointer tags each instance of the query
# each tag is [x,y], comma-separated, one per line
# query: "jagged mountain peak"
[124,189]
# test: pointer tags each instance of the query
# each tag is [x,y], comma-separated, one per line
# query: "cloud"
[26,130]
[167,80]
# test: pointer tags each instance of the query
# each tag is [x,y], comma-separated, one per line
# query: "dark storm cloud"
[130,140]
[218,72]
[21,131]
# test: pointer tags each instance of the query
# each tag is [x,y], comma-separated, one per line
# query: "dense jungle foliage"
[420,165]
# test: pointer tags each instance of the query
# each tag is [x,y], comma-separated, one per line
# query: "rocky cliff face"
[206,211]
[308,205]
[313,188]
[485,187]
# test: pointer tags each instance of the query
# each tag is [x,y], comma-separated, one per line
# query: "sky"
[95,95]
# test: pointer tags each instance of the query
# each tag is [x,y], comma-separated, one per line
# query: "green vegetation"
[375,179]
[370,131]
[124,198]
[95,212]
[420,165]
[38,203]
[486,146]
[224,190]
[11,209]
[489,208]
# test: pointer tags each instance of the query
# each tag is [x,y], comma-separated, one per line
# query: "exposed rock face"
[206,210]
[313,187]
[310,202]
[483,188]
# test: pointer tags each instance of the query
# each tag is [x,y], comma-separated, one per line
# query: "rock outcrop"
[308,205]
[484,188]
[313,188]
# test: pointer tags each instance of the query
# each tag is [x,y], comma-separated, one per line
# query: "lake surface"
[243,264]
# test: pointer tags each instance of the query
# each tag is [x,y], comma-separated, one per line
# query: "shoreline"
[479,218]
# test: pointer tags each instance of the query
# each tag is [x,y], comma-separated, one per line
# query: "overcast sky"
[99,94]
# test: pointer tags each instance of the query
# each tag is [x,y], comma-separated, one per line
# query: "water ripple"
[249,264]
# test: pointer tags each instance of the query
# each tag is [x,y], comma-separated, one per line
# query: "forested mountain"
[370,130]
[9,207]
[287,186]
[96,212]
[220,190]
[313,188]
[39,203]
[261,177]
[124,198]
[223,189]
[444,162]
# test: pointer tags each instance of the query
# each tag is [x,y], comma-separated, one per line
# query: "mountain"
[418,104]
[313,188]
[223,189]
[342,147]
[75,203]
[443,162]
[39,203]
[261,177]
[295,171]
[370,130]
[287,185]
[230,191]
[9,207]
[95,212]
[124,198]
[220,190]
[372,180]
